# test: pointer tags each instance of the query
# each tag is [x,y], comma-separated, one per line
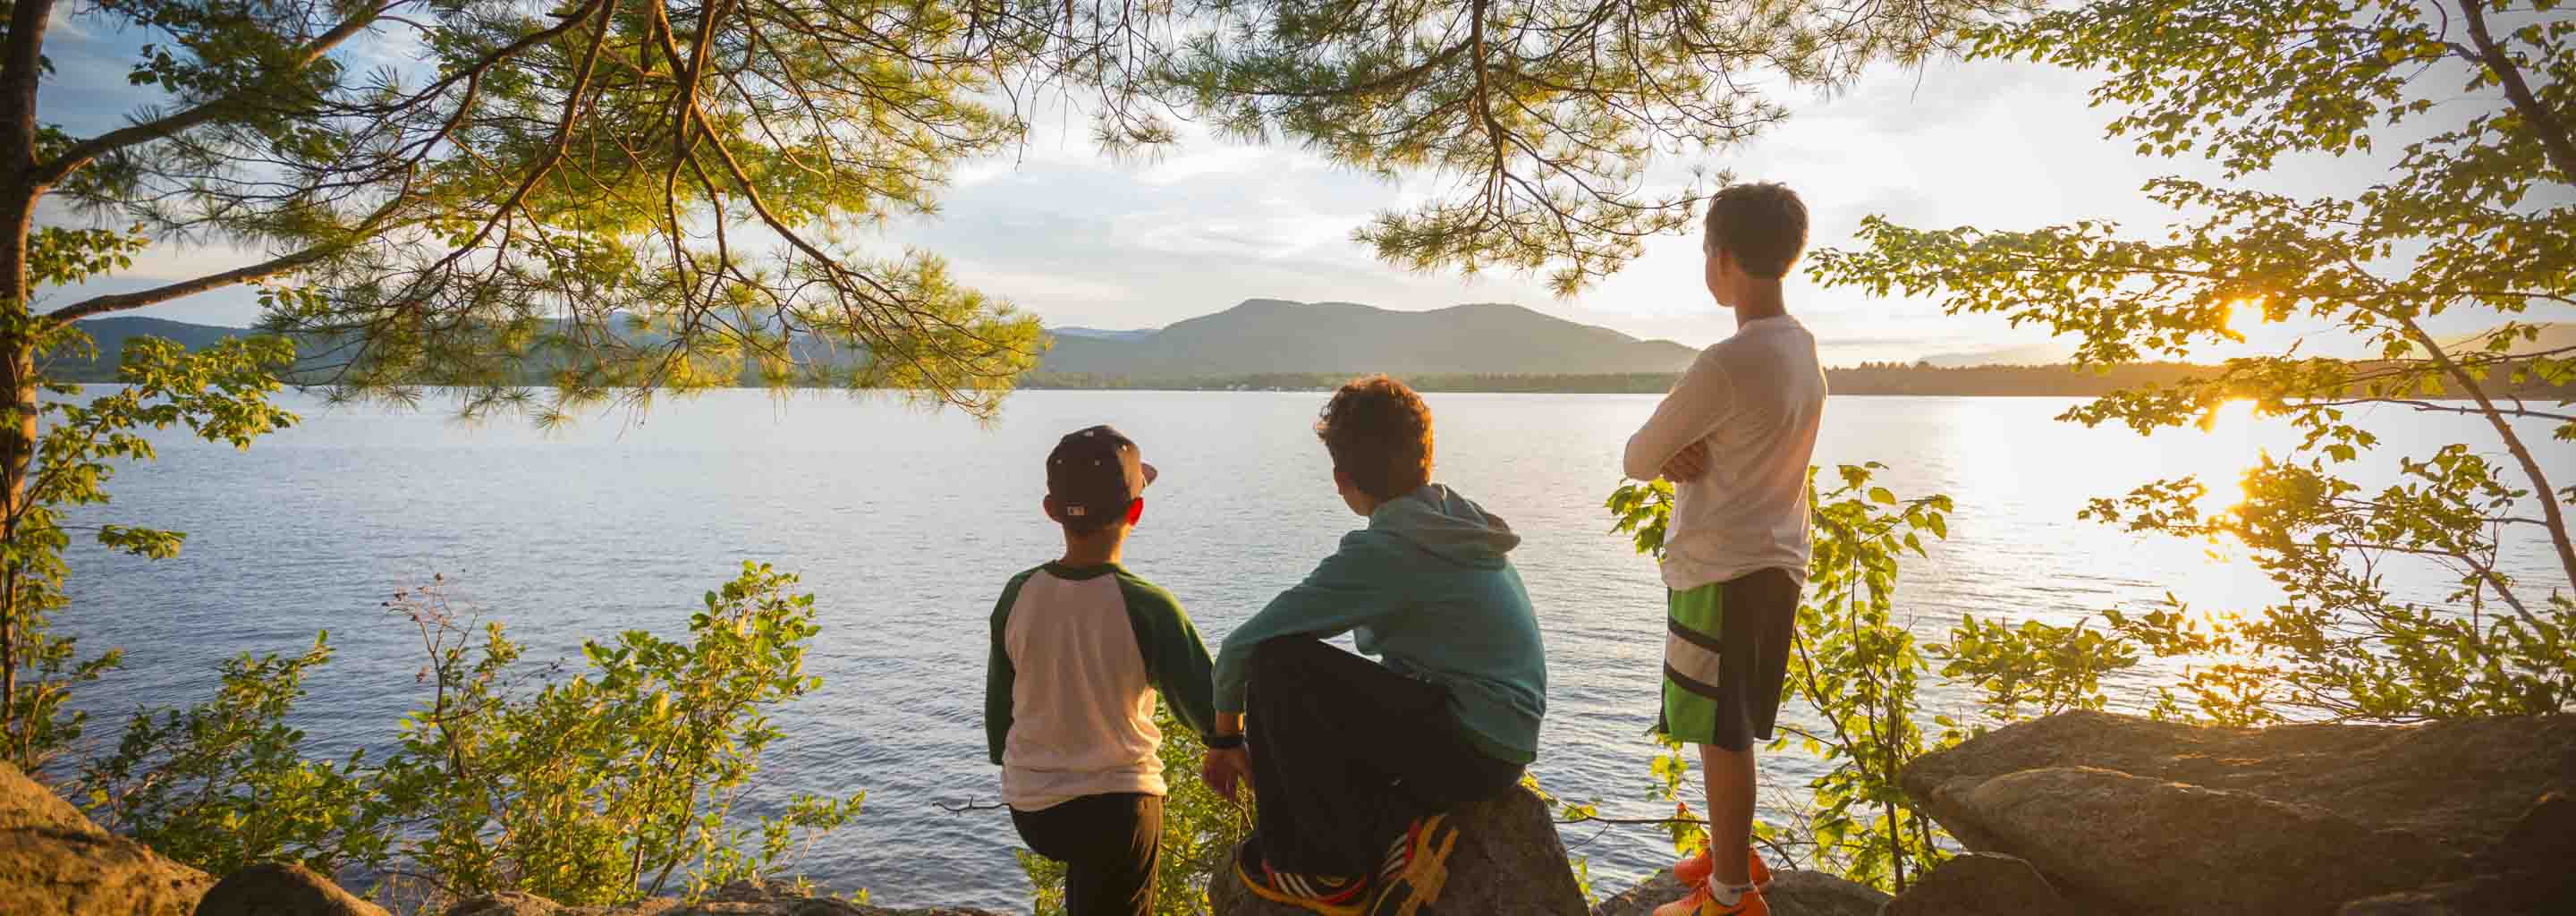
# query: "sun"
[2245,313]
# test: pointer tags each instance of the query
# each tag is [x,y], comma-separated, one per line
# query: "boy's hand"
[1224,769]
[1687,464]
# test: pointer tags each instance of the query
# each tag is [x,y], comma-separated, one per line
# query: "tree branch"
[2554,136]
[96,305]
[82,153]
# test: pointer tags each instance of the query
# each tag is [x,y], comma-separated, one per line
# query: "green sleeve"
[999,676]
[1359,583]
[1176,661]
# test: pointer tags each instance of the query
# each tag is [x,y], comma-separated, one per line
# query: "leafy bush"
[601,788]
[225,784]
[219,394]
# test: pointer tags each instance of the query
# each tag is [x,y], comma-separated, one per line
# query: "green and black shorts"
[1726,649]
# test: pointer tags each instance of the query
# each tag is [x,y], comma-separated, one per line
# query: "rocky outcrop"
[54,862]
[1980,884]
[281,889]
[2526,872]
[741,898]
[2150,817]
[1507,860]
[1792,893]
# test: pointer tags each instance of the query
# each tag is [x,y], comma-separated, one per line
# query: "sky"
[1082,240]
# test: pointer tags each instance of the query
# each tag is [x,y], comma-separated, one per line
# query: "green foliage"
[600,788]
[224,784]
[2478,218]
[619,783]
[1856,669]
[220,394]
[2035,669]
[1200,831]
[628,198]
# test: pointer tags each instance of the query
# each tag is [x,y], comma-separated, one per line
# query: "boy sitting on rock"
[1355,762]
[1080,646]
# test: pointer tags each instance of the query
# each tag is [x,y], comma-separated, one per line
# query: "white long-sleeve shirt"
[1756,399]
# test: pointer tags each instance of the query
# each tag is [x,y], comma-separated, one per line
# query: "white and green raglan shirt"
[1078,654]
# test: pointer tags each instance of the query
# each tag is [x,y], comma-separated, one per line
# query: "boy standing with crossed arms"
[1735,436]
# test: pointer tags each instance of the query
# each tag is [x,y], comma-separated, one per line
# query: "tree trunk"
[17,451]
[21,67]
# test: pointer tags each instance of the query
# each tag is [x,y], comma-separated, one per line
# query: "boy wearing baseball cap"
[1080,646]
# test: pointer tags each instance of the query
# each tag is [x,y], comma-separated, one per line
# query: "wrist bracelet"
[1224,742]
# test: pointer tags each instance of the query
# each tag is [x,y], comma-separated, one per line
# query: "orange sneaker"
[1702,903]
[1694,871]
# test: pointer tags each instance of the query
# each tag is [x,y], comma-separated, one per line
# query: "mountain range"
[1476,344]
[1273,335]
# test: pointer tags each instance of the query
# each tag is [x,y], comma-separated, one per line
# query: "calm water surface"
[904,525]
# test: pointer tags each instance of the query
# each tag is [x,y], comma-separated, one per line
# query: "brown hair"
[1379,432]
[1763,225]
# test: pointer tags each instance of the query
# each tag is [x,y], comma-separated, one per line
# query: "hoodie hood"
[1448,525]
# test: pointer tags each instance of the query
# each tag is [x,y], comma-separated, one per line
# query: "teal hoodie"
[1427,587]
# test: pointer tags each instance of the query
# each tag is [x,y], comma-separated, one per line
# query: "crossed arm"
[1673,444]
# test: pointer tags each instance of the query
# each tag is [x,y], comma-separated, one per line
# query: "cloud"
[1082,239]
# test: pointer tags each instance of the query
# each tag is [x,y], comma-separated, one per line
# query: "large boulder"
[1792,893]
[2526,874]
[2155,817]
[281,889]
[1980,884]
[1507,860]
[54,862]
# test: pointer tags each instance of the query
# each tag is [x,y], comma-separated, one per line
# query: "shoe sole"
[1309,904]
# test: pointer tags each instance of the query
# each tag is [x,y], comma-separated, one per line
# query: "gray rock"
[2528,873]
[1643,898]
[54,862]
[2160,847]
[1979,884]
[1814,893]
[2541,843]
[2156,817]
[26,804]
[281,889]
[1792,893]
[1508,860]
[2459,784]
[506,903]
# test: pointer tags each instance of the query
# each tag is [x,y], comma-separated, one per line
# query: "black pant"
[1346,752]
[1110,844]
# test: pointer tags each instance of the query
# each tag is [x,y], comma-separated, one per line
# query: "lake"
[904,524]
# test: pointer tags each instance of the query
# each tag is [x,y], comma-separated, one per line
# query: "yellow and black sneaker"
[1416,868]
[1325,894]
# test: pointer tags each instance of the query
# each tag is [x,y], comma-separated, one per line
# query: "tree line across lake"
[1869,378]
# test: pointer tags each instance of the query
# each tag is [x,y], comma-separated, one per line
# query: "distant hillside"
[1274,336]
[1103,333]
[110,335]
[2042,354]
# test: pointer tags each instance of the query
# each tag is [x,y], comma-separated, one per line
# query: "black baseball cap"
[1096,472]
